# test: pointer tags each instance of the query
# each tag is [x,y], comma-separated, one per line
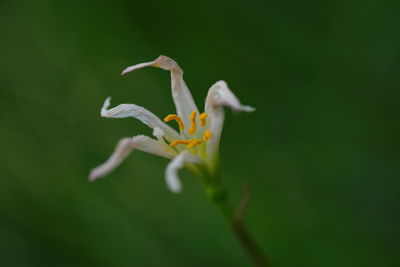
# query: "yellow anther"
[178,119]
[190,143]
[202,118]
[193,125]
[194,143]
[207,135]
[180,142]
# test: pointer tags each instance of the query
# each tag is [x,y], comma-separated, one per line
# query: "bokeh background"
[321,153]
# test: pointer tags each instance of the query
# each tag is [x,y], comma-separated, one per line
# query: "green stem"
[218,194]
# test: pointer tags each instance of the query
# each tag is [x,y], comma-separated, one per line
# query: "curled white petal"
[171,172]
[219,95]
[124,147]
[182,97]
[140,113]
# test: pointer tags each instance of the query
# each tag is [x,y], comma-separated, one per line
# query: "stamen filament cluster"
[190,143]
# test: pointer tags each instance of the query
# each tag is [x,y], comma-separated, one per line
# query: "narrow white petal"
[140,113]
[182,97]
[219,95]
[171,172]
[124,147]
[215,124]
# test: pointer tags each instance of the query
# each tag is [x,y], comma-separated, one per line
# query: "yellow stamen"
[193,125]
[207,135]
[180,142]
[202,118]
[190,143]
[178,119]
[194,143]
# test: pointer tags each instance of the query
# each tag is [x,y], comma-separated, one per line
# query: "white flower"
[195,145]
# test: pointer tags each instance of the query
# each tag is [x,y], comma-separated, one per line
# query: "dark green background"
[321,153]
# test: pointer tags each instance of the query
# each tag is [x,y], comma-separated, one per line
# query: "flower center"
[190,143]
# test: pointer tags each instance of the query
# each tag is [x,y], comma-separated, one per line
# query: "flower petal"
[124,147]
[219,95]
[171,172]
[140,113]
[182,97]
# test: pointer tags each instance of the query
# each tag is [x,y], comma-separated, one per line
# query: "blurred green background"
[321,153]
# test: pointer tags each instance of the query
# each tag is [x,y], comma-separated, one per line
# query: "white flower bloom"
[197,142]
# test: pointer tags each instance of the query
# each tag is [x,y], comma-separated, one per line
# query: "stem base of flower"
[218,194]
